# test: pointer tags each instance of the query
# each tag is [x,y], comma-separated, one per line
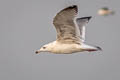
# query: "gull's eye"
[44,47]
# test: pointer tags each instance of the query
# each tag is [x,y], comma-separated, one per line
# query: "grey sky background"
[26,25]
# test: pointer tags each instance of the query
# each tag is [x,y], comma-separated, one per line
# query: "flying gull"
[70,33]
[105,11]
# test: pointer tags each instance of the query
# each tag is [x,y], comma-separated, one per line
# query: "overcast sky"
[26,25]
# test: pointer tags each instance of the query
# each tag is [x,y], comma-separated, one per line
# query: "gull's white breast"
[62,48]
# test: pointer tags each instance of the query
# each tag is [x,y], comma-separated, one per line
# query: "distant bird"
[70,36]
[105,11]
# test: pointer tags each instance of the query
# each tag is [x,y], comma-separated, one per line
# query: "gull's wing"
[65,26]
[81,22]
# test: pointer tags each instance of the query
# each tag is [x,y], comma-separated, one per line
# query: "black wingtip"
[89,17]
[72,7]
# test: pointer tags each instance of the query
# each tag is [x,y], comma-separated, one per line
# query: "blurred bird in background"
[105,11]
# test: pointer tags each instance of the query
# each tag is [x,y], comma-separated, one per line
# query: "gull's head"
[45,48]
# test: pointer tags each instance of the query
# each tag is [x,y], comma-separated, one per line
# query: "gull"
[105,11]
[70,33]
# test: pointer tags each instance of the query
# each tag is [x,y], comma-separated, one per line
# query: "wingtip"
[72,7]
[89,17]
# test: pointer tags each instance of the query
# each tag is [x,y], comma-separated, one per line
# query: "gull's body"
[70,33]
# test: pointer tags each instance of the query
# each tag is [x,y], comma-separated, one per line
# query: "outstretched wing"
[65,26]
[81,22]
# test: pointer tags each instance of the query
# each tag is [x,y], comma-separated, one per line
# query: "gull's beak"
[38,51]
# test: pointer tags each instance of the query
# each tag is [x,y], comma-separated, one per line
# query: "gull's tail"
[91,48]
